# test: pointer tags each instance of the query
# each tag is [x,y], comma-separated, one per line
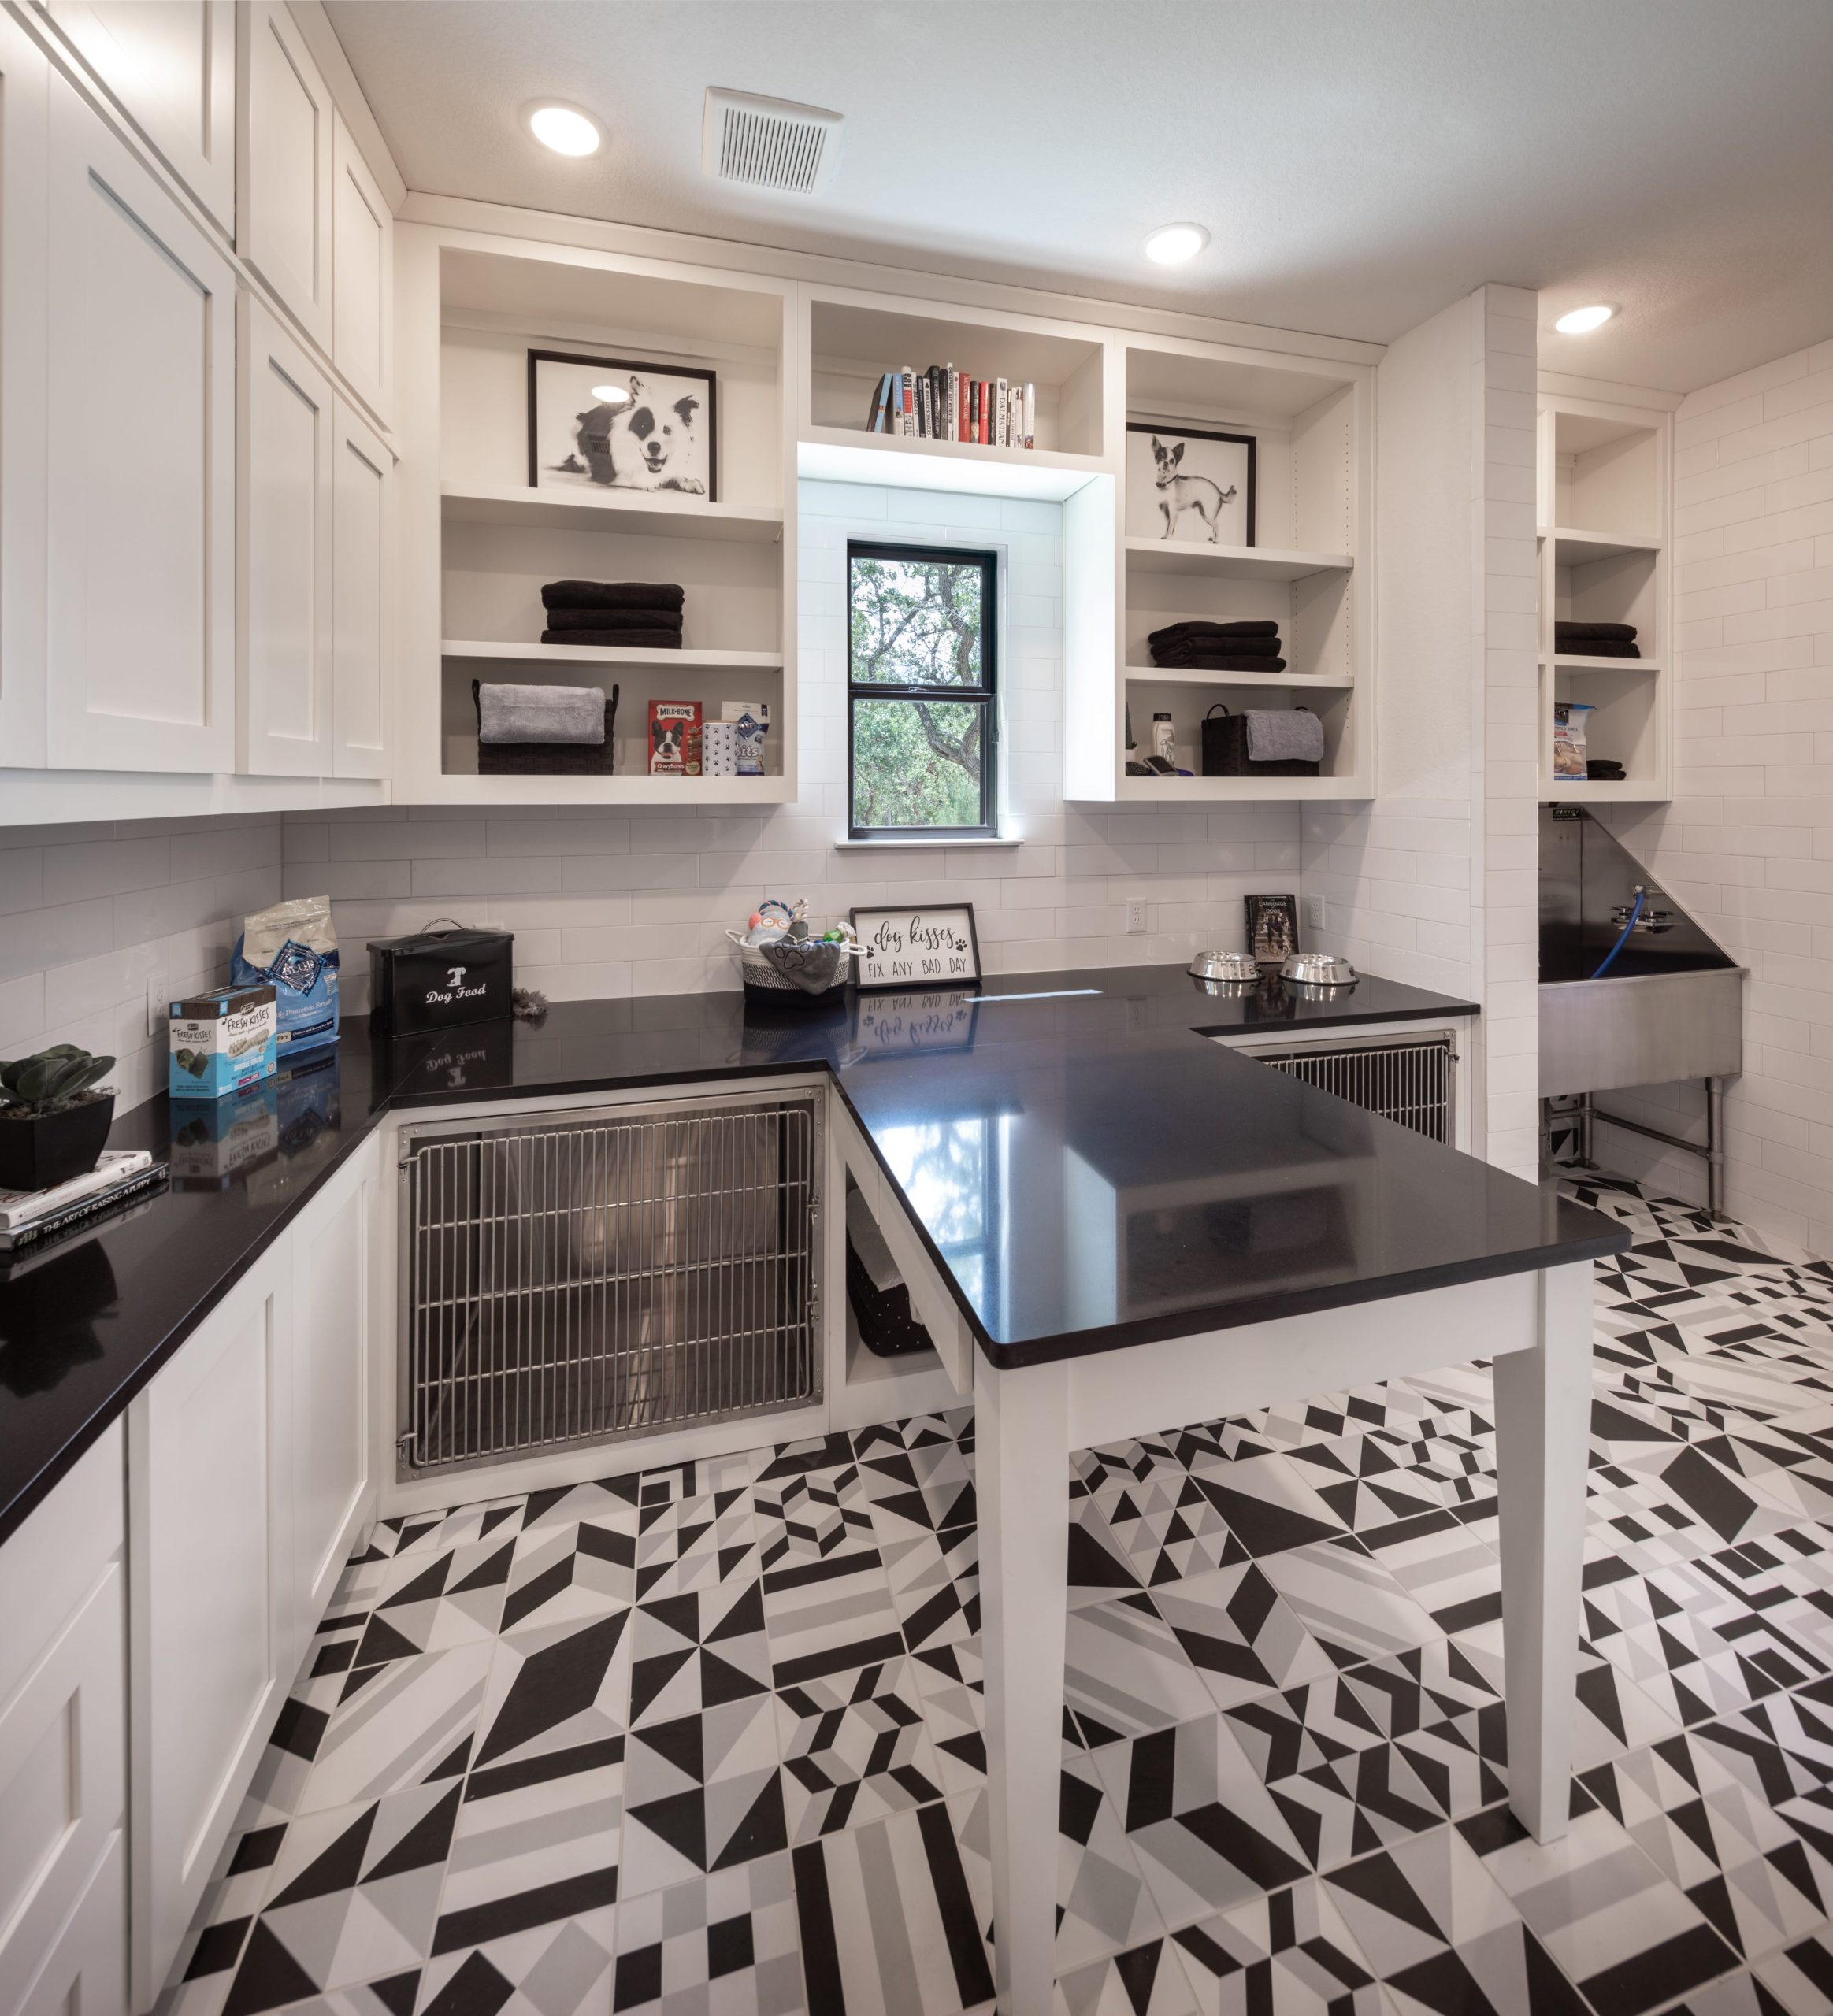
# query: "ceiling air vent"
[768,142]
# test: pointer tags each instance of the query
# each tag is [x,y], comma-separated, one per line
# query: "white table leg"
[1021,1484]
[1543,1416]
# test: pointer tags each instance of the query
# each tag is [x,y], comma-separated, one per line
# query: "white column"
[1543,1416]
[1020,1482]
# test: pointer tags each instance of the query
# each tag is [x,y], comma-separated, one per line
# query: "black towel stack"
[1595,640]
[634,615]
[1218,647]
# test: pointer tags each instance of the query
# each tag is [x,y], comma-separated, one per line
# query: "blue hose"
[1622,936]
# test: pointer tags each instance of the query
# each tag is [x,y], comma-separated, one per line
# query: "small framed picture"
[911,945]
[610,422]
[1189,484]
[1272,928]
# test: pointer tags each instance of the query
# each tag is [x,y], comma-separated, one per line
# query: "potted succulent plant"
[53,1123]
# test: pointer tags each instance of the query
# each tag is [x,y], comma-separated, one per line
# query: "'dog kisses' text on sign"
[918,947]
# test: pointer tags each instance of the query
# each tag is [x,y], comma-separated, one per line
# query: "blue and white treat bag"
[292,947]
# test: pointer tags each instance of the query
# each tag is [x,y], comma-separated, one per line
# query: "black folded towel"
[612,594]
[614,619]
[1566,632]
[622,640]
[1596,647]
[1178,633]
[1234,647]
[1221,662]
[1605,769]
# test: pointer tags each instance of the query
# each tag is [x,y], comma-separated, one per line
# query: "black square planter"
[34,1154]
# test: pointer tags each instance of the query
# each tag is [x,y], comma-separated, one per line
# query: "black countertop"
[1088,1173]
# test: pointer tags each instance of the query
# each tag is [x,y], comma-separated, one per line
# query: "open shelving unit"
[1602,489]
[470,307]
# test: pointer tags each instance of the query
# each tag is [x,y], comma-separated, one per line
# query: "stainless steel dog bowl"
[1224,965]
[1319,969]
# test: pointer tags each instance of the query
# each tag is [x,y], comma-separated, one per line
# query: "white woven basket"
[756,971]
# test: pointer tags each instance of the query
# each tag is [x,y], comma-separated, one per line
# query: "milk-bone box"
[436,979]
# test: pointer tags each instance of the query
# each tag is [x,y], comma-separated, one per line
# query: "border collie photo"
[1190,485]
[612,424]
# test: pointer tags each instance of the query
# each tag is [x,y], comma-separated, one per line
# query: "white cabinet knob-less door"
[285,157]
[363,518]
[284,539]
[140,479]
[362,237]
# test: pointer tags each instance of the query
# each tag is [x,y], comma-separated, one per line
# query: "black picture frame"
[653,370]
[1272,927]
[871,919]
[1176,431]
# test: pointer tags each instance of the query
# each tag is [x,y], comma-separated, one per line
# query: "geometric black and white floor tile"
[709,1741]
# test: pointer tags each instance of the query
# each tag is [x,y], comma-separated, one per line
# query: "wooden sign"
[914,946]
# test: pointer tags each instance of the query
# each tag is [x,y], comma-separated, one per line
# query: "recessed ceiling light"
[1171,244]
[1582,321]
[613,395]
[564,128]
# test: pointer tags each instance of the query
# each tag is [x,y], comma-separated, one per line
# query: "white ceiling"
[1360,163]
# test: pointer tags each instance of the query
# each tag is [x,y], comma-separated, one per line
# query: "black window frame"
[986,695]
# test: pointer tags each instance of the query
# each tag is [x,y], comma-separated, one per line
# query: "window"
[922,717]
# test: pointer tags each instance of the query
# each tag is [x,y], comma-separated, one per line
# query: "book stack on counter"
[943,404]
[122,1175]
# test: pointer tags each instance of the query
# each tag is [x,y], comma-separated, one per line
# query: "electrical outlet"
[1136,918]
[1315,913]
[158,1004]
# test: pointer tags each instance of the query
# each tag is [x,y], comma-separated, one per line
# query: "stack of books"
[122,1175]
[942,404]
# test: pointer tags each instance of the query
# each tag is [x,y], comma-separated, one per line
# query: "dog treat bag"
[674,738]
[293,948]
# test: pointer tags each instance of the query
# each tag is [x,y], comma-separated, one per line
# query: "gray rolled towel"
[1284,735]
[541,713]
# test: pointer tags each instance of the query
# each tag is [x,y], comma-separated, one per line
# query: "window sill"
[925,847]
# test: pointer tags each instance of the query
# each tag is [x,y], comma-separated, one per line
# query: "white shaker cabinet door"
[284,544]
[363,512]
[327,1412]
[285,167]
[24,163]
[170,65]
[362,237]
[209,1563]
[140,482]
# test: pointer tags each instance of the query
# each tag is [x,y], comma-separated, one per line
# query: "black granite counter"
[1087,1170]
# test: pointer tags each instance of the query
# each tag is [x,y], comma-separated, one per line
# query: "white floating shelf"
[1577,663]
[839,455]
[1163,675]
[1242,563]
[1580,791]
[1220,791]
[657,514]
[466,787]
[462,647]
[1573,548]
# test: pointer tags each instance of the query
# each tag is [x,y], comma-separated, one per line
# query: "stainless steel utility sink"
[1670,1006]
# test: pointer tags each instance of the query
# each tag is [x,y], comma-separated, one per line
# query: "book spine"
[875,418]
[922,408]
[981,434]
[939,401]
[1030,414]
[951,424]
[960,407]
[999,413]
[907,401]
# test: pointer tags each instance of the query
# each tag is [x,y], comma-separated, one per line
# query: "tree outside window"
[922,716]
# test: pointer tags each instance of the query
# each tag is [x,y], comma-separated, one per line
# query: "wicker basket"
[760,976]
[1225,750]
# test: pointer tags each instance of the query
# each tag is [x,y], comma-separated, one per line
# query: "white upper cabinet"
[170,65]
[287,459]
[363,269]
[363,517]
[286,166]
[140,479]
[23,74]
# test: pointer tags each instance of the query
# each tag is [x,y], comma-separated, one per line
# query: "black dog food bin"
[436,980]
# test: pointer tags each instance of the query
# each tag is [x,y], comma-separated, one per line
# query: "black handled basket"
[1225,750]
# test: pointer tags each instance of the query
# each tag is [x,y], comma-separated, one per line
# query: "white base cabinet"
[247,1476]
[63,1782]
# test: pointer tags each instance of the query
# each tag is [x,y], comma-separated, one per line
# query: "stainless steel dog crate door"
[606,1274]
[1410,1081]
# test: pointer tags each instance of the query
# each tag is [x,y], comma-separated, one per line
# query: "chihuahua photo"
[1179,493]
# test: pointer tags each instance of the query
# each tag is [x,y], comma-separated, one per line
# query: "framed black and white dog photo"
[1189,484]
[612,423]
[916,945]
[1272,928]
